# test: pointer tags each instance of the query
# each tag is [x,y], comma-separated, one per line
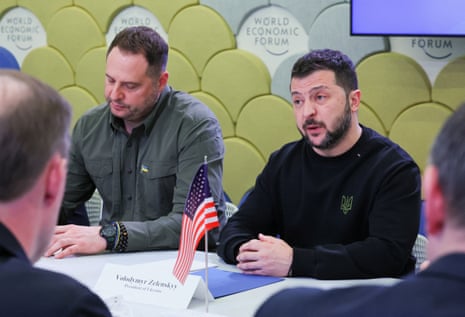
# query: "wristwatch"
[108,232]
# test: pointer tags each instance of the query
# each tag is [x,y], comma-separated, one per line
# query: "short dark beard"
[332,138]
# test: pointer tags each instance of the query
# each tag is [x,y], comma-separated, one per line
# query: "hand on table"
[73,239]
[266,255]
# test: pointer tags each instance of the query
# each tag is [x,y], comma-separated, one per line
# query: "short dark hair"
[146,41]
[327,59]
[34,125]
[448,155]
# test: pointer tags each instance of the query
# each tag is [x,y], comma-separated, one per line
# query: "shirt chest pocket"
[157,183]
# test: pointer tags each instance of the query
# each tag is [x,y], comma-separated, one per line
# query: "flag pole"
[206,270]
[206,255]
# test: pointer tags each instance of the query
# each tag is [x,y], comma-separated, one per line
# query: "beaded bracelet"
[122,237]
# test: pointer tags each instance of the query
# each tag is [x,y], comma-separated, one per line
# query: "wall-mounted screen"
[408,17]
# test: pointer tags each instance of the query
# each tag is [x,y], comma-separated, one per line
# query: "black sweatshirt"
[351,216]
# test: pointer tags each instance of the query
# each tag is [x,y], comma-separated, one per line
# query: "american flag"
[199,216]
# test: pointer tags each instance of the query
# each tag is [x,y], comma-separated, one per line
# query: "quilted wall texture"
[236,56]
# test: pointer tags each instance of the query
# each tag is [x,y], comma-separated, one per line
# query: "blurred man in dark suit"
[34,142]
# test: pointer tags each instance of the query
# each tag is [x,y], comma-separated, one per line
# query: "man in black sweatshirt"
[341,203]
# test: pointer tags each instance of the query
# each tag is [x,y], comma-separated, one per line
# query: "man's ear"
[354,98]
[162,80]
[435,204]
[55,177]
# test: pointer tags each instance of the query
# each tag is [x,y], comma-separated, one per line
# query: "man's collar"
[10,244]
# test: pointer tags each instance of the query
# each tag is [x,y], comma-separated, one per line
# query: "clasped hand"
[266,255]
[73,239]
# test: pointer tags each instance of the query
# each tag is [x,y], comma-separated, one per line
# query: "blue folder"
[222,283]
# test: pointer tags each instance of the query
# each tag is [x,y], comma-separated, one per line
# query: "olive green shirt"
[144,177]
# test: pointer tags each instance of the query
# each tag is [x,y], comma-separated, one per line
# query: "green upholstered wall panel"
[6,5]
[165,10]
[235,77]
[390,83]
[227,125]
[50,66]
[73,32]
[187,34]
[81,100]
[416,128]
[182,74]
[369,118]
[267,122]
[102,10]
[242,163]
[44,10]
[90,73]
[449,87]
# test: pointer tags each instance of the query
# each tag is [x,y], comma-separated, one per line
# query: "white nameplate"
[152,284]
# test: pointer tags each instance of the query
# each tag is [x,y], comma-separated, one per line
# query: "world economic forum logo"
[431,53]
[435,48]
[273,34]
[21,32]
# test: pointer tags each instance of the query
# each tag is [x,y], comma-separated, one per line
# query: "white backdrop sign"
[134,16]
[21,32]
[273,34]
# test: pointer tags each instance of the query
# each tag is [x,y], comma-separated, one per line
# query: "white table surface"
[87,270]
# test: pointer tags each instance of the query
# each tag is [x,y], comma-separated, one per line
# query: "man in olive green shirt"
[140,150]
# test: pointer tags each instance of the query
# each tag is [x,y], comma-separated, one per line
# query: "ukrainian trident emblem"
[346,204]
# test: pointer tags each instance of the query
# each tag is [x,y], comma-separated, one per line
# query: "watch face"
[108,231]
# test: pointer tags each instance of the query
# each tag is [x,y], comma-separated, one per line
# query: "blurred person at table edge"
[140,150]
[34,141]
[438,289]
[343,202]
